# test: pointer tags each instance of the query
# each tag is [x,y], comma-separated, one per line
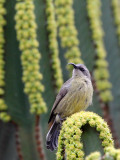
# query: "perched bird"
[74,96]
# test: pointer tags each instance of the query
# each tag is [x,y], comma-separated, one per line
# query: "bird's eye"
[82,69]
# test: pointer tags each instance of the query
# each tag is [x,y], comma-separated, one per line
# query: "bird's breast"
[78,98]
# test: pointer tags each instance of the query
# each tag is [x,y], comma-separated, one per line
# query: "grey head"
[80,70]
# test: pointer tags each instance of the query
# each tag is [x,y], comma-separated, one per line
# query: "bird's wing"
[61,94]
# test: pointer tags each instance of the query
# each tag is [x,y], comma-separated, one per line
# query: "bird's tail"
[52,136]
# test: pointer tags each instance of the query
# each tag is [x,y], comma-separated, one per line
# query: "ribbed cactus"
[37,40]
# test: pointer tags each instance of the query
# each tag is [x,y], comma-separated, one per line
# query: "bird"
[74,96]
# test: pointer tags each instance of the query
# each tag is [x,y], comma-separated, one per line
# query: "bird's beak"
[73,65]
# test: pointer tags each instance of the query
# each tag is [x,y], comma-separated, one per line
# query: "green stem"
[29,150]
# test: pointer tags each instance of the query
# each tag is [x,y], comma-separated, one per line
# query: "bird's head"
[80,70]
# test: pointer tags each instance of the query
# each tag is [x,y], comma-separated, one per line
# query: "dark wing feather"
[61,94]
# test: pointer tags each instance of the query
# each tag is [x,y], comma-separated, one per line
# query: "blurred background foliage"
[90,37]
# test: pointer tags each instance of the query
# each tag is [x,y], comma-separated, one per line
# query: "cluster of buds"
[94,156]
[67,30]
[53,45]
[116,13]
[101,73]
[70,135]
[3,107]
[30,57]
[110,153]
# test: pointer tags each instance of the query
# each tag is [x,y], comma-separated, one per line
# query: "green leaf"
[49,94]
[113,57]
[84,33]
[17,101]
